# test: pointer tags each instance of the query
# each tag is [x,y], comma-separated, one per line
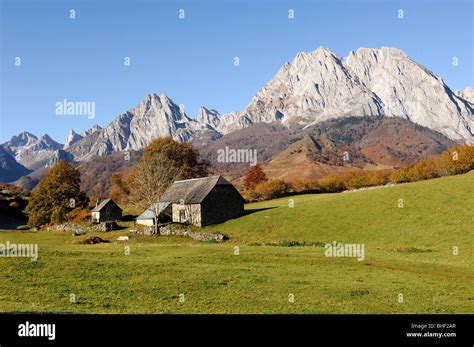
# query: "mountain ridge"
[314,87]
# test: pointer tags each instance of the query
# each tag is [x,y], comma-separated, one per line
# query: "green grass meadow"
[274,253]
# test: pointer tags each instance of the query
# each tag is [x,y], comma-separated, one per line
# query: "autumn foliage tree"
[120,187]
[163,161]
[254,176]
[56,195]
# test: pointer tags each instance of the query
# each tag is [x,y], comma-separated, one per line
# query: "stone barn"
[204,201]
[106,211]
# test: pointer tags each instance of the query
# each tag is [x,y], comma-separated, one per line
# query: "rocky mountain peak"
[319,85]
[91,130]
[22,139]
[208,116]
[467,94]
[33,152]
[315,86]
[156,116]
[408,90]
[46,141]
[72,138]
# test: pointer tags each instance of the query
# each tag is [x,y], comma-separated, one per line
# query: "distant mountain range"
[315,87]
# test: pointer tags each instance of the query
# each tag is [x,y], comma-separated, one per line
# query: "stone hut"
[204,201]
[106,211]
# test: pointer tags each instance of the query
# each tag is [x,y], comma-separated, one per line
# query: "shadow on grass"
[247,212]
[129,218]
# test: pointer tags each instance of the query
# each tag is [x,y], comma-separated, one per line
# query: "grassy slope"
[408,251]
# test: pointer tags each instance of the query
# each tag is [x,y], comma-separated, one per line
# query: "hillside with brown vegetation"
[337,145]
[311,159]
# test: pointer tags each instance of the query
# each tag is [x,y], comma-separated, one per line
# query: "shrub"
[458,160]
[79,216]
[425,169]
[306,186]
[378,177]
[356,179]
[272,189]
[332,183]
[401,175]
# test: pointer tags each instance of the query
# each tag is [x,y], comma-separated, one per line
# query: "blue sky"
[192,59]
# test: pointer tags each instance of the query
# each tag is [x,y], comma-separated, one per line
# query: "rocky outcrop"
[72,138]
[467,94]
[90,131]
[35,153]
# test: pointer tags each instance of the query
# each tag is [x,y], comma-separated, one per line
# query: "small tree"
[254,176]
[119,188]
[57,194]
[179,155]
[183,156]
[151,177]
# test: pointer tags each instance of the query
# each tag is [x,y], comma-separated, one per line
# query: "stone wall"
[183,230]
[192,213]
[76,229]
[166,230]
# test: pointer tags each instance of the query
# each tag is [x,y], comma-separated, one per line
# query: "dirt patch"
[93,240]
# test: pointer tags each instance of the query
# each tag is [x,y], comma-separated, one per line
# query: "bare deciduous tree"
[151,177]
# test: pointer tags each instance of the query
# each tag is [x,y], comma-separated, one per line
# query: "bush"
[79,216]
[401,175]
[307,186]
[356,179]
[333,183]
[426,169]
[458,160]
[272,189]
[423,169]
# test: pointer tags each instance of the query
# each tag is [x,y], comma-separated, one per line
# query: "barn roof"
[192,191]
[148,213]
[104,203]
